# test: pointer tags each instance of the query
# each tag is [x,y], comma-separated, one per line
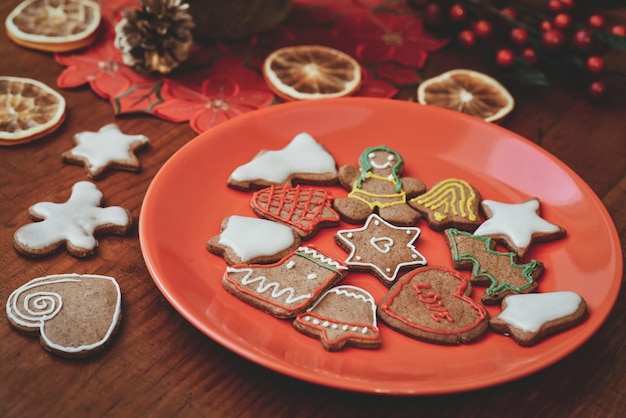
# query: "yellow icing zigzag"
[451,196]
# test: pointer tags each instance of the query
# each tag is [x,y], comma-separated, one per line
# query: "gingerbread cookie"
[305,209]
[376,187]
[108,147]
[344,315]
[288,287]
[491,268]
[530,318]
[251,240]
[75,315]
[381,248]
[72,223]
[451,203]
[434,304]
[517,226]
[303,160]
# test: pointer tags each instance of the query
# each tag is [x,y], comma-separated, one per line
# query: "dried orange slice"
[29,110]
[469,92]
[54,25]
[309,72]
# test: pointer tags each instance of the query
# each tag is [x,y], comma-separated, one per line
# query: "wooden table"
[160,365]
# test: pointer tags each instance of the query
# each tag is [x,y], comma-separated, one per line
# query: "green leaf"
[611,40]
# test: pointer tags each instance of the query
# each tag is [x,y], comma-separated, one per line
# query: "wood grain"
[160,365]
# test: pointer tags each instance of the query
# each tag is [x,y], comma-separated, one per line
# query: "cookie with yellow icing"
[451,203]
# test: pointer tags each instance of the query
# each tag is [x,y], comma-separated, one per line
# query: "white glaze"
[302,155]
[253,237]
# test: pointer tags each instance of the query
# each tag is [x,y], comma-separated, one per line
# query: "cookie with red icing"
[434,304]
[305,209]
[288,287]
[343,315]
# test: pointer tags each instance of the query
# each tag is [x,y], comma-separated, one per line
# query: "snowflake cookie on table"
[109,147]
[72,223]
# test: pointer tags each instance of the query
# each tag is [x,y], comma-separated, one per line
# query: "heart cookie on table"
[75,315]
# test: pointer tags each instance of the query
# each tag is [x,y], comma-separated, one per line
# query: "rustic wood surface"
[160,365]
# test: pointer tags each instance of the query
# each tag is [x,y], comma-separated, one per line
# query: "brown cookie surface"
[75,315]
[433,304]
[343,315]
[451,203]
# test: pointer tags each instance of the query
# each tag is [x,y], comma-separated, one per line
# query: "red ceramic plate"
[188,199]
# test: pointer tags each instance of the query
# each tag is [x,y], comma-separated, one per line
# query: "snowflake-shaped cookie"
[72,223]
[109,147]
[381,248]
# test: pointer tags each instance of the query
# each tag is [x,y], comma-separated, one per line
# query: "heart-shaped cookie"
[75,315]
[433,304]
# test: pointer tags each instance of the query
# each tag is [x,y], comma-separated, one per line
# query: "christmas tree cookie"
[497,270]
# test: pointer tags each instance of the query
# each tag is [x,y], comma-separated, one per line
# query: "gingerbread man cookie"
[376,187]
[72,223]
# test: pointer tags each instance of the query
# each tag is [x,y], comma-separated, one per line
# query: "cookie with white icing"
[74,315]
[530,318]
[72,224]
[343,315]
[303,160]
[107,148]
[244,239]
[381,248]
[517,226]
[288,287]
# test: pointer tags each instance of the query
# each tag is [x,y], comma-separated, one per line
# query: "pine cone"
[157,37]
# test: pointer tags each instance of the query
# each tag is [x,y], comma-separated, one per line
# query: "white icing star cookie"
[72,223]
[109,147]
[381,248]
[517,226]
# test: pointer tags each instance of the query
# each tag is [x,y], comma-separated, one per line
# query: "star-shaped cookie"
[381,248]
[109,147]
[517,226]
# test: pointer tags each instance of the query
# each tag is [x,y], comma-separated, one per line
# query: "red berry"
[546,25]
[509,12]
[562,20]
[530,55]
[595,64]
[519,36]
[597,89]
[568,4]
[553,39]
[505,57]
[467,38]
[483,28]
[619,30]
[433,14]
[582,39]
[597,21]
[457,13]
[555,6]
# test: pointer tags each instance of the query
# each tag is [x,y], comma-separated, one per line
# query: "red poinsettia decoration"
[228,90]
